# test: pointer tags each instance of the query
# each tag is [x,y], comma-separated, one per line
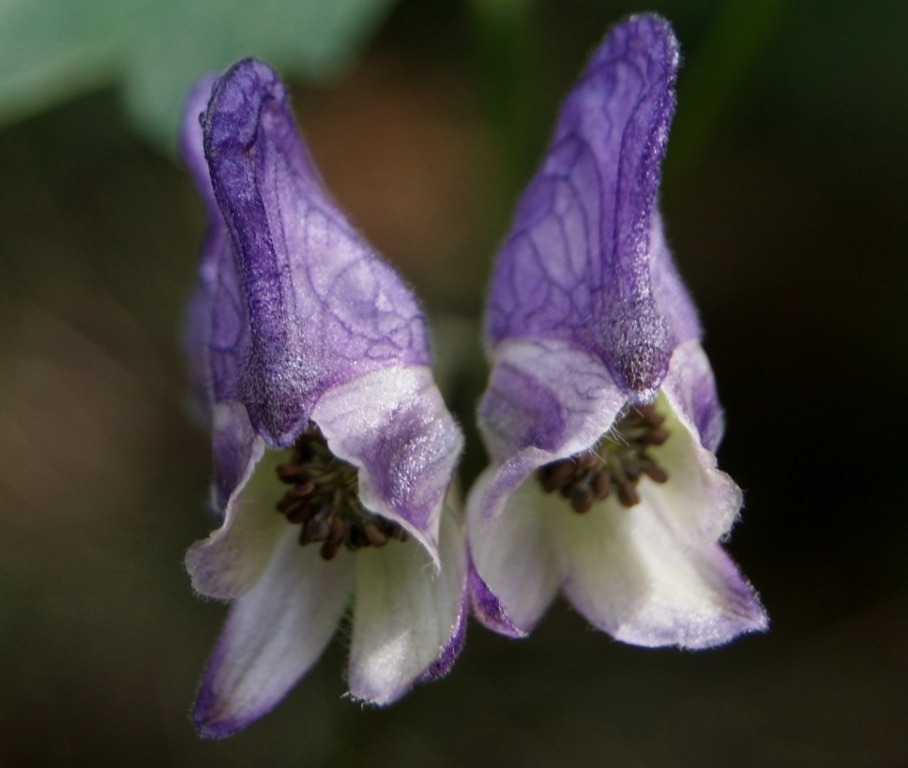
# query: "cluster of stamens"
[324,502]
[616,463]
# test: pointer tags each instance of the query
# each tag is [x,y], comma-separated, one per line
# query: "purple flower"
[301,340]
[601,414]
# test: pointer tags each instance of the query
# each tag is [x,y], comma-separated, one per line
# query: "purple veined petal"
[630,576]
[217,327]
[196,340]
[392,424]
[322,308]
[409,619]
[273,635]
[585,261]
[546,396]
[513,572]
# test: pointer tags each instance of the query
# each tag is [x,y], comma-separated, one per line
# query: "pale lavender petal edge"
[448,654]
[206,700]
[487,608]
[198,320]
[743,614]
[545,395]
[691,388]
[393,425]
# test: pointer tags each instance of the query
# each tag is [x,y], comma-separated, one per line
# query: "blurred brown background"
[784,197]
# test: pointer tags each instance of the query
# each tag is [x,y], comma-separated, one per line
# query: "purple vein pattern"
[296,321]
[586,320]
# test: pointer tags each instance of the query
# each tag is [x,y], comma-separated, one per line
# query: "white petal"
[512,555]
[273,635]
[408,618]
[629,574]
[229,562]
[699,503]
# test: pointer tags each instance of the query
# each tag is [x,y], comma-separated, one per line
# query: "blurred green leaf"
[507,60]
[51,50]
[715,76]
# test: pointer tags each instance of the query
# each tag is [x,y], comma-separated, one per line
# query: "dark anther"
[374,535]
[627,493]
[323,500]
[615,464]
[582,498]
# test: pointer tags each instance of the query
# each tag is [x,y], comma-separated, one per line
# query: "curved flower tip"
[300,338]
[585,260]
[601,414]
[319,306]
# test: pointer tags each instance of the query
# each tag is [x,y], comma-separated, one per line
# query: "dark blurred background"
[784,196]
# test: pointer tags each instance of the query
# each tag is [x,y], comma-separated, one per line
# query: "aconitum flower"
[601,415]
[302,340]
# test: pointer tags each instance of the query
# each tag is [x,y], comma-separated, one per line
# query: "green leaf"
[52,50]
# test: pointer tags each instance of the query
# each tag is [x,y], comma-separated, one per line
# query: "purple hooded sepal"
[319,307]
[297,322]
[586,261]
[586,317]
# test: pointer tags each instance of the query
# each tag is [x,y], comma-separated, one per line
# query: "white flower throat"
[324,500]
[616,463]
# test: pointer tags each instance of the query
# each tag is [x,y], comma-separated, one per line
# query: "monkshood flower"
[601,414]
[302,340]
